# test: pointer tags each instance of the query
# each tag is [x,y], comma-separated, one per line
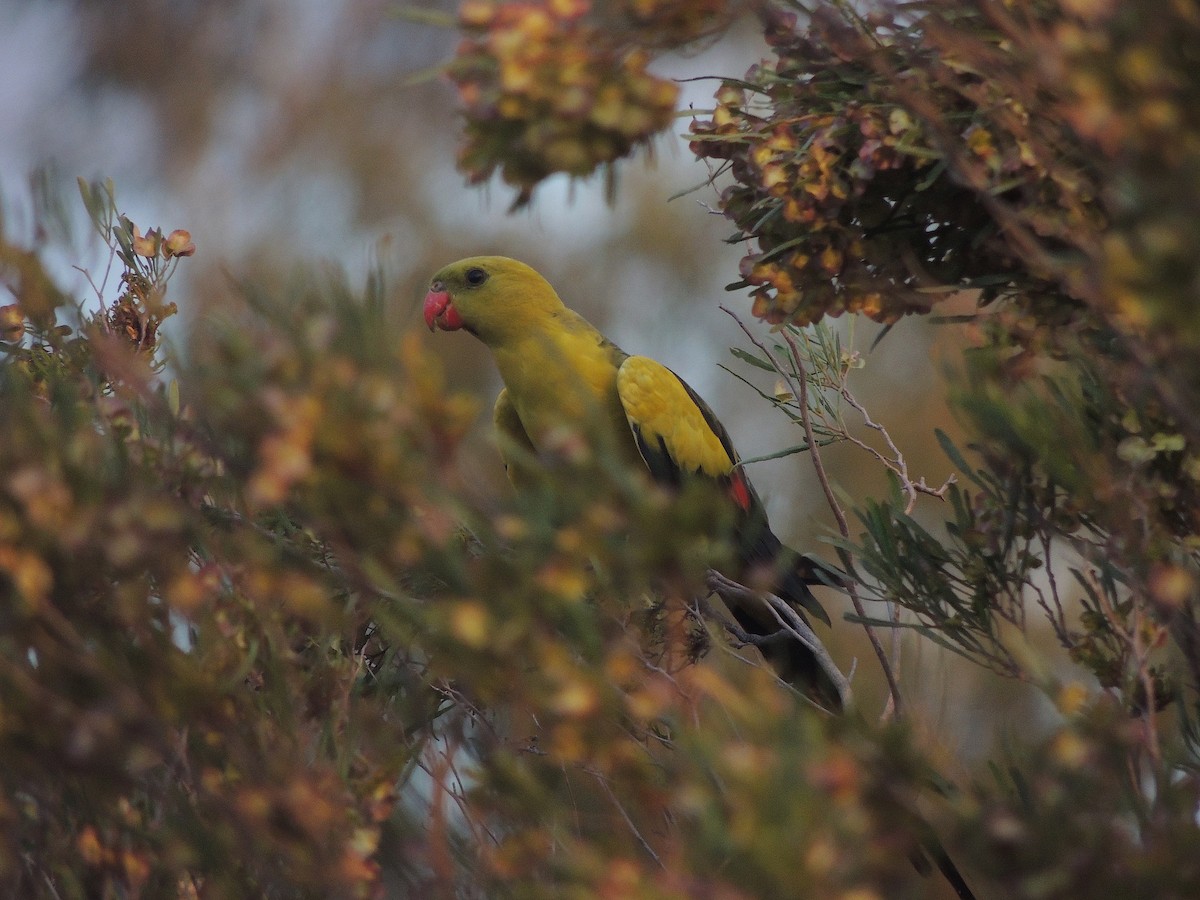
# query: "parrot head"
[489,296]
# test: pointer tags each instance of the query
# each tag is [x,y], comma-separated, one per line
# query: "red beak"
[440,311]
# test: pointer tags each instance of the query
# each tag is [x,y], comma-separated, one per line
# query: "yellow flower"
[471,623]
[178,243]
[12,323]
[146,246]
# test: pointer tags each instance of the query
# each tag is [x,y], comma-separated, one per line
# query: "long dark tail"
[944,863]
[948,869]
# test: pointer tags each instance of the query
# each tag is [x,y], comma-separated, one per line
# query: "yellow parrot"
[564,379]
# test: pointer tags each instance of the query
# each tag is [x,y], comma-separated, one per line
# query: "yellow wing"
[516,449]
[677,435]
[676,432]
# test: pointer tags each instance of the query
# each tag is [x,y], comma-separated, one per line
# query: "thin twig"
[625,815]
[896,463]
[829,376]
[790,620]
[1056,615]
[800,385]
[843,526]
[703,611]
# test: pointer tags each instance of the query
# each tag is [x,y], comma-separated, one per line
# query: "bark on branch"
[791,623]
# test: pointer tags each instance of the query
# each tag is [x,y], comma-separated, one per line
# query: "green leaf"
[779,454]
[747,357]
[925,631]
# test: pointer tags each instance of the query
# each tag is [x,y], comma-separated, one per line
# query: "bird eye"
[476,277]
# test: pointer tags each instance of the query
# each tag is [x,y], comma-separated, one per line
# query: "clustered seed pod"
[862,170]
[802,179]
[672,23]
[545,90]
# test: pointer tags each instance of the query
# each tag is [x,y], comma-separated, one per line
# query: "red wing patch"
[739,490]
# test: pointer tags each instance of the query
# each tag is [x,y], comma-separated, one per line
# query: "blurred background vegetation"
[273,623]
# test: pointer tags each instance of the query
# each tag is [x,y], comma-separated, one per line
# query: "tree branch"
[789,620]
[800,387]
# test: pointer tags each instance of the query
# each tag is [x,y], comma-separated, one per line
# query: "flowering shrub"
[556,86]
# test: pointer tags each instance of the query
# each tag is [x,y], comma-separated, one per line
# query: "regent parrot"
[562,376]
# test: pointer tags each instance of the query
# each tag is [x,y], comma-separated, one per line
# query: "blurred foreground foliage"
[256,638]
[256,643]
[563,86]
[1042,159]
